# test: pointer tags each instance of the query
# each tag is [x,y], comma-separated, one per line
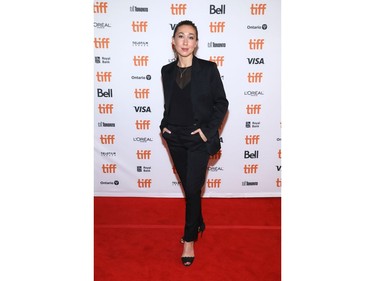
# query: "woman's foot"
[187,256]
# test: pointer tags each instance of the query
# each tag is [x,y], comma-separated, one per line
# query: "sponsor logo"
[142,108]
[101,43]
[253,155]
[102,25]
[142,93]
[104,124]
[255,77]
[215,169]
[217,59]
[178,9]
[255,60]
[249,183]
[144,183]
[102,60]
[263,26]
[108,154]
[139,26]
[142,139]
[213,183]
[140,60]
[214,10]
[107,139]
[139,44]
[105,108]
[253,93]
[104,94]
[217,27]
[256,44]
[109,168]
[258,9]
[100,7]
[103,76]
[252,124]
[143,154]
[278,183]
[138,9]
[147,77]
[252,139]
[253,108]
[116,182]
[142,124]
[216,45]
[279,153]
[143,169]
[250,168]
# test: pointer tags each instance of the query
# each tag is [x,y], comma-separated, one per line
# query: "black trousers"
[190,158]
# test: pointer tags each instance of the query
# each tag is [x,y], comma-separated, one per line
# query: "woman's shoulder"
[168,66]
[205,63]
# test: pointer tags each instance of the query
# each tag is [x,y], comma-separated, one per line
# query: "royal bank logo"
[102,60]
[143,169]
[252,124]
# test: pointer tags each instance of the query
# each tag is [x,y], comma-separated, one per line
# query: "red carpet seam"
[155,226]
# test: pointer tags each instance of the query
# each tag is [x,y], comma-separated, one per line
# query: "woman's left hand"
[199,131]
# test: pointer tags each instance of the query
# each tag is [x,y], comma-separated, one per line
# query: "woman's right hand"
[166,130]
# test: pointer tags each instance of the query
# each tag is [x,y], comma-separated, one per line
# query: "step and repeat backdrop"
[132,41]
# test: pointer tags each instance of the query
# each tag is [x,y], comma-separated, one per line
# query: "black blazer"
[207,95]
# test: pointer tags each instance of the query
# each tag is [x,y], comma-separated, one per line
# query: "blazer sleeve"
[163,122]
[220,104]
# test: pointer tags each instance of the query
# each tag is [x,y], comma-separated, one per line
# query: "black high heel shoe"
[200,229]
[187,261]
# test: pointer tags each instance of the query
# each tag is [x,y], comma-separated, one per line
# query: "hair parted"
[186,22]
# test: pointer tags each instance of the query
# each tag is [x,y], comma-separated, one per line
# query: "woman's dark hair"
[185,22]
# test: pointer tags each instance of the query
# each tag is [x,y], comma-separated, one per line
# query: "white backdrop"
[132,42]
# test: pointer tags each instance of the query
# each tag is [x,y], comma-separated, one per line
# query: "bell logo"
[107,139]
[257,9]
[105,108]
[216,156]
[140,60]
[252,139]
[217,59]
[279,153]
[143,154]
[250,169]
[255,77]
[256,44]
[101,43]
[217,26]
[139,26]
[253,108]
[100,7]
[178,9]
[109,168]
[144,183]
[141,93]
[142,124]
[278,182]
[213,183]
[103,76]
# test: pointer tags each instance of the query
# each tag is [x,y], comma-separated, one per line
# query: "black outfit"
[194,98]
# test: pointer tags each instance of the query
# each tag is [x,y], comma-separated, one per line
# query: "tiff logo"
[107,139]
[144,183]
[178,9]
[217,26]
[253,108]
[142,124]
[105,108]
[101,43]
[250,169]
[279,153]
[255,77]
[216,156]
[278,182]
[100,7]
[141,93]
[139,26]
[217,59]
[252,139]
[140,60]
[143,154]
[258,9]
[213,183]
[256,44]
[103,76]
[109,168]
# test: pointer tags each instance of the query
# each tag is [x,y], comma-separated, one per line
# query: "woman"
[194,107]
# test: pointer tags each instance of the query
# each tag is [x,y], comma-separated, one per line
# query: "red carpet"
[138,239]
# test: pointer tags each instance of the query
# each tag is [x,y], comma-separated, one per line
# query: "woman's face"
[185,40]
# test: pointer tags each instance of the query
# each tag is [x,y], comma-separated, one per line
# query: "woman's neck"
[185,61]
